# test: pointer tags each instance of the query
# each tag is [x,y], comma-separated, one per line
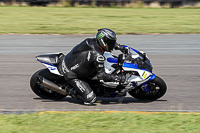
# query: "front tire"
[40,90]
[157,88]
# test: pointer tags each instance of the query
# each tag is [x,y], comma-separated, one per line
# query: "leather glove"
[128,57]
[120,78]
[123,49]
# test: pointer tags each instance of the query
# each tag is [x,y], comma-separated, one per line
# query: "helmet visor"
[110,44]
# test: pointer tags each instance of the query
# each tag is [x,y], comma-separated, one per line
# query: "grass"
[60,20]
[101,122]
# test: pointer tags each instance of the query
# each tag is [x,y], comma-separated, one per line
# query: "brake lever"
[143,55]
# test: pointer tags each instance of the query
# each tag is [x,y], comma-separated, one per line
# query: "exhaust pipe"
[50,85]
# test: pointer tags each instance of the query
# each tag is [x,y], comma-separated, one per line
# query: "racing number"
[144,75]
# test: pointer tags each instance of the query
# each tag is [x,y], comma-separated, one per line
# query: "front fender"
[152,77]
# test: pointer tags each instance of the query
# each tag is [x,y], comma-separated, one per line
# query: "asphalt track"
[175,58]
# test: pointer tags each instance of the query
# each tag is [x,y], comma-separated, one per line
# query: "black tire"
[157,89]
[39,90]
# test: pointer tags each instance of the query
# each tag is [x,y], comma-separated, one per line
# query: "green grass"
[60,20]
[101,122]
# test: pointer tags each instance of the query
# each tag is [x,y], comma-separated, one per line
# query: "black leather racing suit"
[86,60]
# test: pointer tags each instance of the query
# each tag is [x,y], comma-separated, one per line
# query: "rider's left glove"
[122,77]
[128,57]
[124,49]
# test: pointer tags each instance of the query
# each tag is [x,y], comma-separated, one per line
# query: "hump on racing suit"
[86,60]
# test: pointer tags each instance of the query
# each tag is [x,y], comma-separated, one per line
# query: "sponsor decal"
[144,75]
[102,42]
[75,67]
[88,57]
[64,68]
[101,35]
[90,94]
[100,58]
[82,89]
[51,67]
[100,65]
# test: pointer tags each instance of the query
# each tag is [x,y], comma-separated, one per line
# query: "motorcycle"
[140,82]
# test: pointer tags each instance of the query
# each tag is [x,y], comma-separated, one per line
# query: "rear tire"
[40,90]
[157,89]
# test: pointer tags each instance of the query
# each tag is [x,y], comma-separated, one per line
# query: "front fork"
[144,84]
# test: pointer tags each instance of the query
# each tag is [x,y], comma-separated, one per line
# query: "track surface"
[175,58]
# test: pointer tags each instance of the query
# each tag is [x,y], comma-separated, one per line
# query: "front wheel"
[155,89]
[41,91]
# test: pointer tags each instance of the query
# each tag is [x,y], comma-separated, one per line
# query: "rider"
[86,60]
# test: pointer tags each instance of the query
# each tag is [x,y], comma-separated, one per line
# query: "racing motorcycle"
[140,82]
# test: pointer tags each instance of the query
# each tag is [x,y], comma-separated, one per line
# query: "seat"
[49,58]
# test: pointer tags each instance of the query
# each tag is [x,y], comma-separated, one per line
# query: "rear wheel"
[155,89]
[41,91]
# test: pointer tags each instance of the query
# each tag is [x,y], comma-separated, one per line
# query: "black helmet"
[106,38]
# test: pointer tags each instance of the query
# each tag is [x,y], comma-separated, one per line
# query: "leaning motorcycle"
[140,82]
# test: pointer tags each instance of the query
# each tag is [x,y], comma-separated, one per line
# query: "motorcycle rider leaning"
[86,60]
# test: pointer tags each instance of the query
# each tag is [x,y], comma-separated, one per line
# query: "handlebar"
[143,55]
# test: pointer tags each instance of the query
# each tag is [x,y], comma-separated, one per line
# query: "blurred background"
[105,3]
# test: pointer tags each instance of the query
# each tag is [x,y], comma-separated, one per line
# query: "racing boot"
[91,102]
[83,90]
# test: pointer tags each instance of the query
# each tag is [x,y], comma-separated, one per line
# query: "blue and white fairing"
[142,76]
[52,68]
[50,61]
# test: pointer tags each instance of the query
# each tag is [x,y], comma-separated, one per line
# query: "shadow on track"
[103,101]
